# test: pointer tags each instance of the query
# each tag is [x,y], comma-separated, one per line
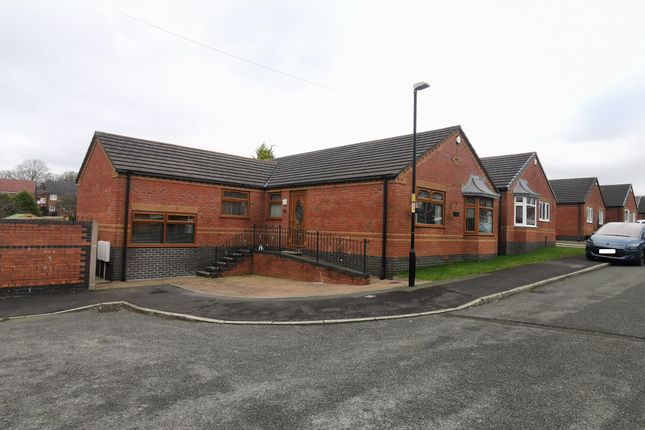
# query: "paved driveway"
[570,355]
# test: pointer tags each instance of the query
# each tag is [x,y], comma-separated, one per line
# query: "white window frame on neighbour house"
[53,197]
[626,219]
[589,213]
[545,212]
[633,216]
[525,203]
[601,217]
[52,209]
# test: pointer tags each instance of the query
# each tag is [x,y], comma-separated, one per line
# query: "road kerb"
[195,318]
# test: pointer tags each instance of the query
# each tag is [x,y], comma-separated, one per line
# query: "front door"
[297,219]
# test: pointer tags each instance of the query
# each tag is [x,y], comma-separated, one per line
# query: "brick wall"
[572,218]
[519,239]
[44,256]
[279,265]
[617,214]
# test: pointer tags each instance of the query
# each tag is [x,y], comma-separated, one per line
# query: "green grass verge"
[459,270]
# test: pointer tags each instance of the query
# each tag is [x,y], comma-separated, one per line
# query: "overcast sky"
[563,78]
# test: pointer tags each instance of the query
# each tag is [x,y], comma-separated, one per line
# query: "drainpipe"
[125,227]
[501,247]
[384,233]
[580,221]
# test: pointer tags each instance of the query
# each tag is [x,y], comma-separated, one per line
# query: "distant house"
[527,214]
[640,200]
[580,205]
[57,198]
[165,208]
[14,186]
[620,202]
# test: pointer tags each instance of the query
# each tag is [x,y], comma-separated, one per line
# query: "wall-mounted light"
[458,140]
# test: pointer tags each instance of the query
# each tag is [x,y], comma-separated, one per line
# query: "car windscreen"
[622,229]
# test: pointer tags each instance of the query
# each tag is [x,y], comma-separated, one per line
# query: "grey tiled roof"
[58,187]
[641,204]
[615,195]
[574,190]
[373,159]
[503,169]
[173,161]
[360,161]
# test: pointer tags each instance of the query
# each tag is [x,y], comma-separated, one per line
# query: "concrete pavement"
[427,298]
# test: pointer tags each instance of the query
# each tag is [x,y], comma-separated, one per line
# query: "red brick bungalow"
[640,200]
[527,218]
[581,208]
[165,207]
[620,202]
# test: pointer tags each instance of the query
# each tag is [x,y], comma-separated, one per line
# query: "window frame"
[247,200]
[53,197]
[544,208]
[164,221]
[589,214]
[525,205]
[626,215]
[275,203]
[432,201]
[52,208]
[477,206]
[601,217]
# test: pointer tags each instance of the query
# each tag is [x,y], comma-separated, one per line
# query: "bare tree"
[69,176]
[32,170]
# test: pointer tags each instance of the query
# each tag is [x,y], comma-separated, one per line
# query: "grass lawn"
[458,270]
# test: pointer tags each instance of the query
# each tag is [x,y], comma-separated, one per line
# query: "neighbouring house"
[14,186]
[640,200]
[620,202]
[580,205]
[527,214]
[165,208]
[57,198]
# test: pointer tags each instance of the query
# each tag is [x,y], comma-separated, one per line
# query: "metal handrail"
[339,250]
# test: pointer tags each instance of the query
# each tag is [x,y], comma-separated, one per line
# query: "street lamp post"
[412,259]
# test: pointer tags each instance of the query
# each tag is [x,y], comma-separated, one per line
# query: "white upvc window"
[601,217]
[545,211]
[589,215]
[626,215]
[633,216]
[52,209]
[53,197]
[525,208]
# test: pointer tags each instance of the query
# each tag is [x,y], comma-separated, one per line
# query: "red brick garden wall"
[44,256]
[284,266]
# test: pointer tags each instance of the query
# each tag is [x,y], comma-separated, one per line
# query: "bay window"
[525,208]
[479,215]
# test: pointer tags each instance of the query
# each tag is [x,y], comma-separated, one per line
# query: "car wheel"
[590,257]
[641,261]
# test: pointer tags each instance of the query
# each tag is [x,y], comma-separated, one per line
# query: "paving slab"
[424,298]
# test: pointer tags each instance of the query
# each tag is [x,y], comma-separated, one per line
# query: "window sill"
[430,226]
[525,226]
[235,216]
[472,233]
[545,220]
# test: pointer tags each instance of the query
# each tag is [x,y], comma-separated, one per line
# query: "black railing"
[339,250]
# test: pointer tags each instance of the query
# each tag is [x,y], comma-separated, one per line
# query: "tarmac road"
[568,355]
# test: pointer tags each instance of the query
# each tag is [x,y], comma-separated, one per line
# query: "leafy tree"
[26,203]
[31,170]
[7,206]
[264,152]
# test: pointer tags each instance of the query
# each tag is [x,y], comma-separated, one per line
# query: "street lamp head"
[420,86]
